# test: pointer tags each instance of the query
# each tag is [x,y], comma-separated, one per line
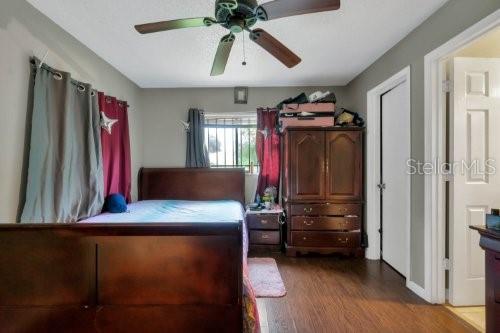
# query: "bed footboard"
[121,278]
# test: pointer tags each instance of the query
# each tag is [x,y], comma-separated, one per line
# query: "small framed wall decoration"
[241,95]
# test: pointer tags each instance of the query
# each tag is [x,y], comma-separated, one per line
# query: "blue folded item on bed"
[115,204]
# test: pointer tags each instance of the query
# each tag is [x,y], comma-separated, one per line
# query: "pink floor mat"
[266,278]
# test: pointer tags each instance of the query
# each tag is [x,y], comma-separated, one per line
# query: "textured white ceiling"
[335,46]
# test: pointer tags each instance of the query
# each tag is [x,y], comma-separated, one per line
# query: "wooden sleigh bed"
[129,277]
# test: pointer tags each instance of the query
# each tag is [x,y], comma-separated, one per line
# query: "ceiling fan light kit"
[241,15]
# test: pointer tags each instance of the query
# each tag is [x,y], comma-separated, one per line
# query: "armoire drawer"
[326,223]
[326,209]
[261,237]
[326,239]
[263,221]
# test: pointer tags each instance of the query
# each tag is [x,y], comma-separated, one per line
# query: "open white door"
[474,190]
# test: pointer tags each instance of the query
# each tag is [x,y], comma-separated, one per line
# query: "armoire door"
[307,165]
[344,156]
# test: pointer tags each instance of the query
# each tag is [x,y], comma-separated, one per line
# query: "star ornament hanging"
[187,126]
[107,123]
[265,132]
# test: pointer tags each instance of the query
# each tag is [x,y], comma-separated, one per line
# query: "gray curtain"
[65,175]
[196,154]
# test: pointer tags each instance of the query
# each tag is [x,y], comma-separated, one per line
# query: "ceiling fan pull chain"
[244,63]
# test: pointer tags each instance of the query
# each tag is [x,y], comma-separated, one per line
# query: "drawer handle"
[263,221]
[304,238]
[309,223]
[351,216]
[344,241]
[265,236]
[308,210]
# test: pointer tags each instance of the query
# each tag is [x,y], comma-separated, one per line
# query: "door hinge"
[381,187]
[447,86]
[446,264]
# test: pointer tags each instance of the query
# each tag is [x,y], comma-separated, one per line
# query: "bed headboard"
[192,184]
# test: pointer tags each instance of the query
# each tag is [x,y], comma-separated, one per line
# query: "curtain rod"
[230,114]
[268,109]
[58,76]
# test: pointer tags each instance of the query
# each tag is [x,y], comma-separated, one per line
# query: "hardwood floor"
[350,295]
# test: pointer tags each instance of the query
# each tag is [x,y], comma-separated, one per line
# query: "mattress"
[175,211]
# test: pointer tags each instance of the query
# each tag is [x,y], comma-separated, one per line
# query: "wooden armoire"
[323,190]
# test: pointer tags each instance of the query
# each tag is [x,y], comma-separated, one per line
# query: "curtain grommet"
[80,88]
[58,76]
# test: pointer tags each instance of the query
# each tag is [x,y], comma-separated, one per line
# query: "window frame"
[237,122]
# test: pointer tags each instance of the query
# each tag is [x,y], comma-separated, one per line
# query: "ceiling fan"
[241,15]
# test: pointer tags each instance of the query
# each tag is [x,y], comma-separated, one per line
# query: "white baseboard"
[372,254]
[417,290]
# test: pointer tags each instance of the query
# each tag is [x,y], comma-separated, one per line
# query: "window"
[231,141]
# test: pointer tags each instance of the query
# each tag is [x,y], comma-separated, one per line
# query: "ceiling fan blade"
[284,8]
[175,24]
[222,55]
[275,47]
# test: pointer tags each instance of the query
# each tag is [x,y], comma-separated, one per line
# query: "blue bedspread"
[176,211]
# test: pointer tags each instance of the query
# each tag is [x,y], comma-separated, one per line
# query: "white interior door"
[396,195]
[474,123]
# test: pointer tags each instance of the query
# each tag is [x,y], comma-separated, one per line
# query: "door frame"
[373,132]
[435,142]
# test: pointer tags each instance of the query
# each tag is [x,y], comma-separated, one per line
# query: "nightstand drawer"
[326,239]
[326,223]
[263,221]
[264,237]
[326,209]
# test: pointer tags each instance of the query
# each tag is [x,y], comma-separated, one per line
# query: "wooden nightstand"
[264,228]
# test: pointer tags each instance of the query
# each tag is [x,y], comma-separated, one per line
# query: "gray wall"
[453,18]
[25,32]
[164,136]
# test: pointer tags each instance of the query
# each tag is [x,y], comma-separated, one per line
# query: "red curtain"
[268,149]
[116,147]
